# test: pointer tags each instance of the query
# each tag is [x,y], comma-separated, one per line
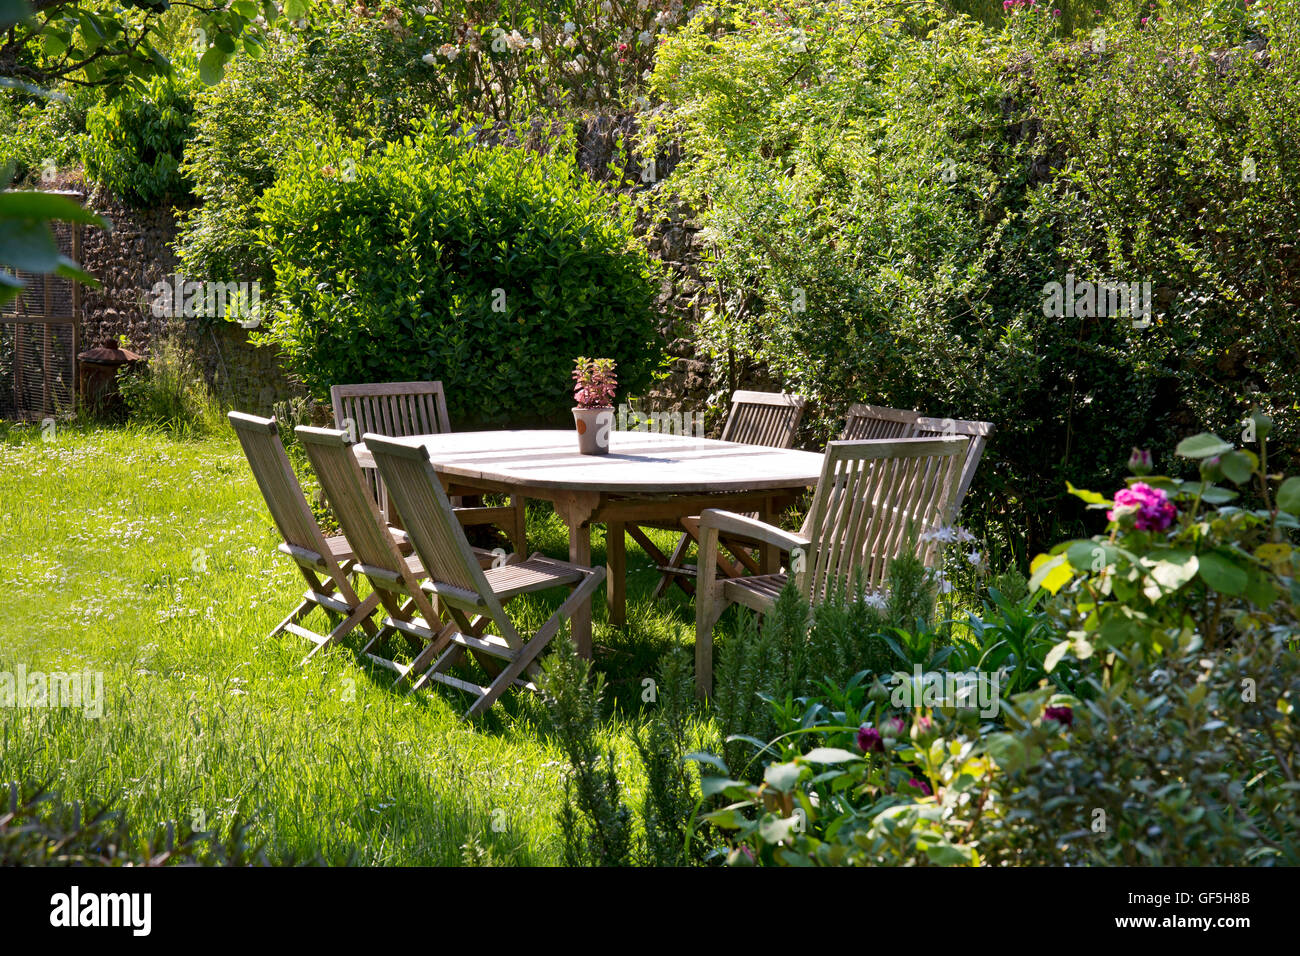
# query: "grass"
[151,560]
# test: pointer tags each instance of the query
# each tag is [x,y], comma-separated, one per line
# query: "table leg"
[580,554]
[616,573]
[575,510]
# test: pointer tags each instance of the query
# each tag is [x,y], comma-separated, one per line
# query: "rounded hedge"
[487,268]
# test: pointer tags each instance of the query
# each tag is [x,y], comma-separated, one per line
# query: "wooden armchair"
[872,503]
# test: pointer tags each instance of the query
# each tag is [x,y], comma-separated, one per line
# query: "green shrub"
[1193,763]
[596,823]
[672,791]
[347,71]
[888,201]
[488,268]
[134,143]
[40,138]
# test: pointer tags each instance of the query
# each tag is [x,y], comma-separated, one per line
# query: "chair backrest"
[397,409]
[357,513]
[977,432]
[260,438]
[874,501]
[877,421]
[435,532]
[764,418]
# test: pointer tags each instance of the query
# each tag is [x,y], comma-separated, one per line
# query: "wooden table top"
[639,462]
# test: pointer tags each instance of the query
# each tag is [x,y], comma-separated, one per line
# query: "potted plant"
[593,390]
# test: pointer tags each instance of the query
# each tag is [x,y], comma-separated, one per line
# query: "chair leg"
[709,605]
[525,656]
[430,651]
[676,560]
[519,533]
[359,616]
[296,615]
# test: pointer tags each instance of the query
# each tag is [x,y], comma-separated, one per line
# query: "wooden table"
[646,477]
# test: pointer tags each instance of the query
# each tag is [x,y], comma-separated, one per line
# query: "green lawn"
[152,560]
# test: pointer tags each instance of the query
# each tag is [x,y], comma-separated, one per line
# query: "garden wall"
[129,260]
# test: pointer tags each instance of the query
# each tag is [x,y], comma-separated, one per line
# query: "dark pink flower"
[1061,714]
[869,740]
[920,785]
[1151,508]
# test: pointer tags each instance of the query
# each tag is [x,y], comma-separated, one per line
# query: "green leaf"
[1204,445]
[212,66]
[29,246]
[1092,497]
[1288,496]
[1237,467]
[1214,495]
[1054,656]
[295,9]
[1222,574]
[700,756]
[1051,574]
[782,776]
[1085,556]
[829,755]
[1169,573]
[34,205]
[54,44]
[778,829]
[11,11]
[711,786]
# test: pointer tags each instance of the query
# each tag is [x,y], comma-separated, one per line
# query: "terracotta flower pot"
[594,426]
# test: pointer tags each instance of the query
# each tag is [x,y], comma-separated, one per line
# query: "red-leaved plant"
[594,382]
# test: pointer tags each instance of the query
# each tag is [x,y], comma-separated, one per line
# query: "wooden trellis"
[40,339]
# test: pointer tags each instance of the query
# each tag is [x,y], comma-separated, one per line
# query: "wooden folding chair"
[977,432]
[756,418]
[471,596]
[325,562]
[394,576]
[877,421]
[873,501]
[403,409]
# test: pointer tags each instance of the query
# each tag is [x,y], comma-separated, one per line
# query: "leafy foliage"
[134,144]
[597,825]
[484,267]
[888,195]
[40,828]
[1214,567]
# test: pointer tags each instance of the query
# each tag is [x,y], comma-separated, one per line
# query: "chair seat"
[535,574]
[341,549]
[758,591]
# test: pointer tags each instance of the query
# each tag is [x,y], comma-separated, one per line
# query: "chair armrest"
[730,524]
